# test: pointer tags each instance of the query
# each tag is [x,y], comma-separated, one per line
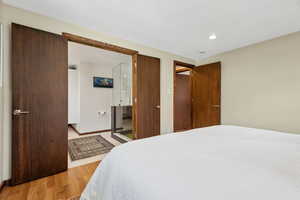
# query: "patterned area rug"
[85,147]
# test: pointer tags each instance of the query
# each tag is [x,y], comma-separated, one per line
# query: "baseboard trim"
[92,132]
[3,184]
[99,131]
[74,129]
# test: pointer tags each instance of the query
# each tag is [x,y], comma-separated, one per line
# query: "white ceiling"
[178,26]
[79,53]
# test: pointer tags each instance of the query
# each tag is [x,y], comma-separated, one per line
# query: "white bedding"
[215,163]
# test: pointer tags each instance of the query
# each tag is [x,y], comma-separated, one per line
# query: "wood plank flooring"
[62,186]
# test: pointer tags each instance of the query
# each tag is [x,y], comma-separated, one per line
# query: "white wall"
[261,85]
[73,97]
[10,14]
[1,112]
[94,100]
[95,103]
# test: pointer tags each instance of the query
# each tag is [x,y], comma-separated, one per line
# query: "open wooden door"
[206,95]
[182,103]
[40,107]
[146,75]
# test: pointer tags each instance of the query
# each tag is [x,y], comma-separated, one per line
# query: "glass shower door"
[122,103]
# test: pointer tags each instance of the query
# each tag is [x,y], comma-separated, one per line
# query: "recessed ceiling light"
[213,36]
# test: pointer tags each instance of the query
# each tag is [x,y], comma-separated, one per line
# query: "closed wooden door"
[206,95]
[147,99]
[182,103]
[40,108]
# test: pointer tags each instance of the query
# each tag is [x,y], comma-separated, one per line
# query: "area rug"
[86,147]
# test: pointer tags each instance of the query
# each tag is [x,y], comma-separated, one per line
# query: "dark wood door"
[182,103]
[206,95]
[147,96]
[40,87]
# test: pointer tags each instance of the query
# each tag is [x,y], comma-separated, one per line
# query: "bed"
[214,163]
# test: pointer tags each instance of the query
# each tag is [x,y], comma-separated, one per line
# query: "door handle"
[20,112]
[158,106]
[216,106]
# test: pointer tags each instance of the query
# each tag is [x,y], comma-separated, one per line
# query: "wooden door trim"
[179,63]
[134,95]
[183,69]
[219,64]
[118,49]
[183,64]
[98,44]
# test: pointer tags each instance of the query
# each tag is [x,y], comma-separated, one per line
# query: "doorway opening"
[182,96]
[40,100]
[197,95]
[99,101]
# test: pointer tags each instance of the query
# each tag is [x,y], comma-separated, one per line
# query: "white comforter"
[215,163]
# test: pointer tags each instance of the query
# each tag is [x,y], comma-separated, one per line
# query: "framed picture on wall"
[101,82]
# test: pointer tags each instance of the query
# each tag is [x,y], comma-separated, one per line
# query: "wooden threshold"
[98,44]
[92,132]
[87,133]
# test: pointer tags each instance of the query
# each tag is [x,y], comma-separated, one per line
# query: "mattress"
[214,163]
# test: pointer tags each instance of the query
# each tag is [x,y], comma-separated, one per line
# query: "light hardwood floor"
[62,186]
